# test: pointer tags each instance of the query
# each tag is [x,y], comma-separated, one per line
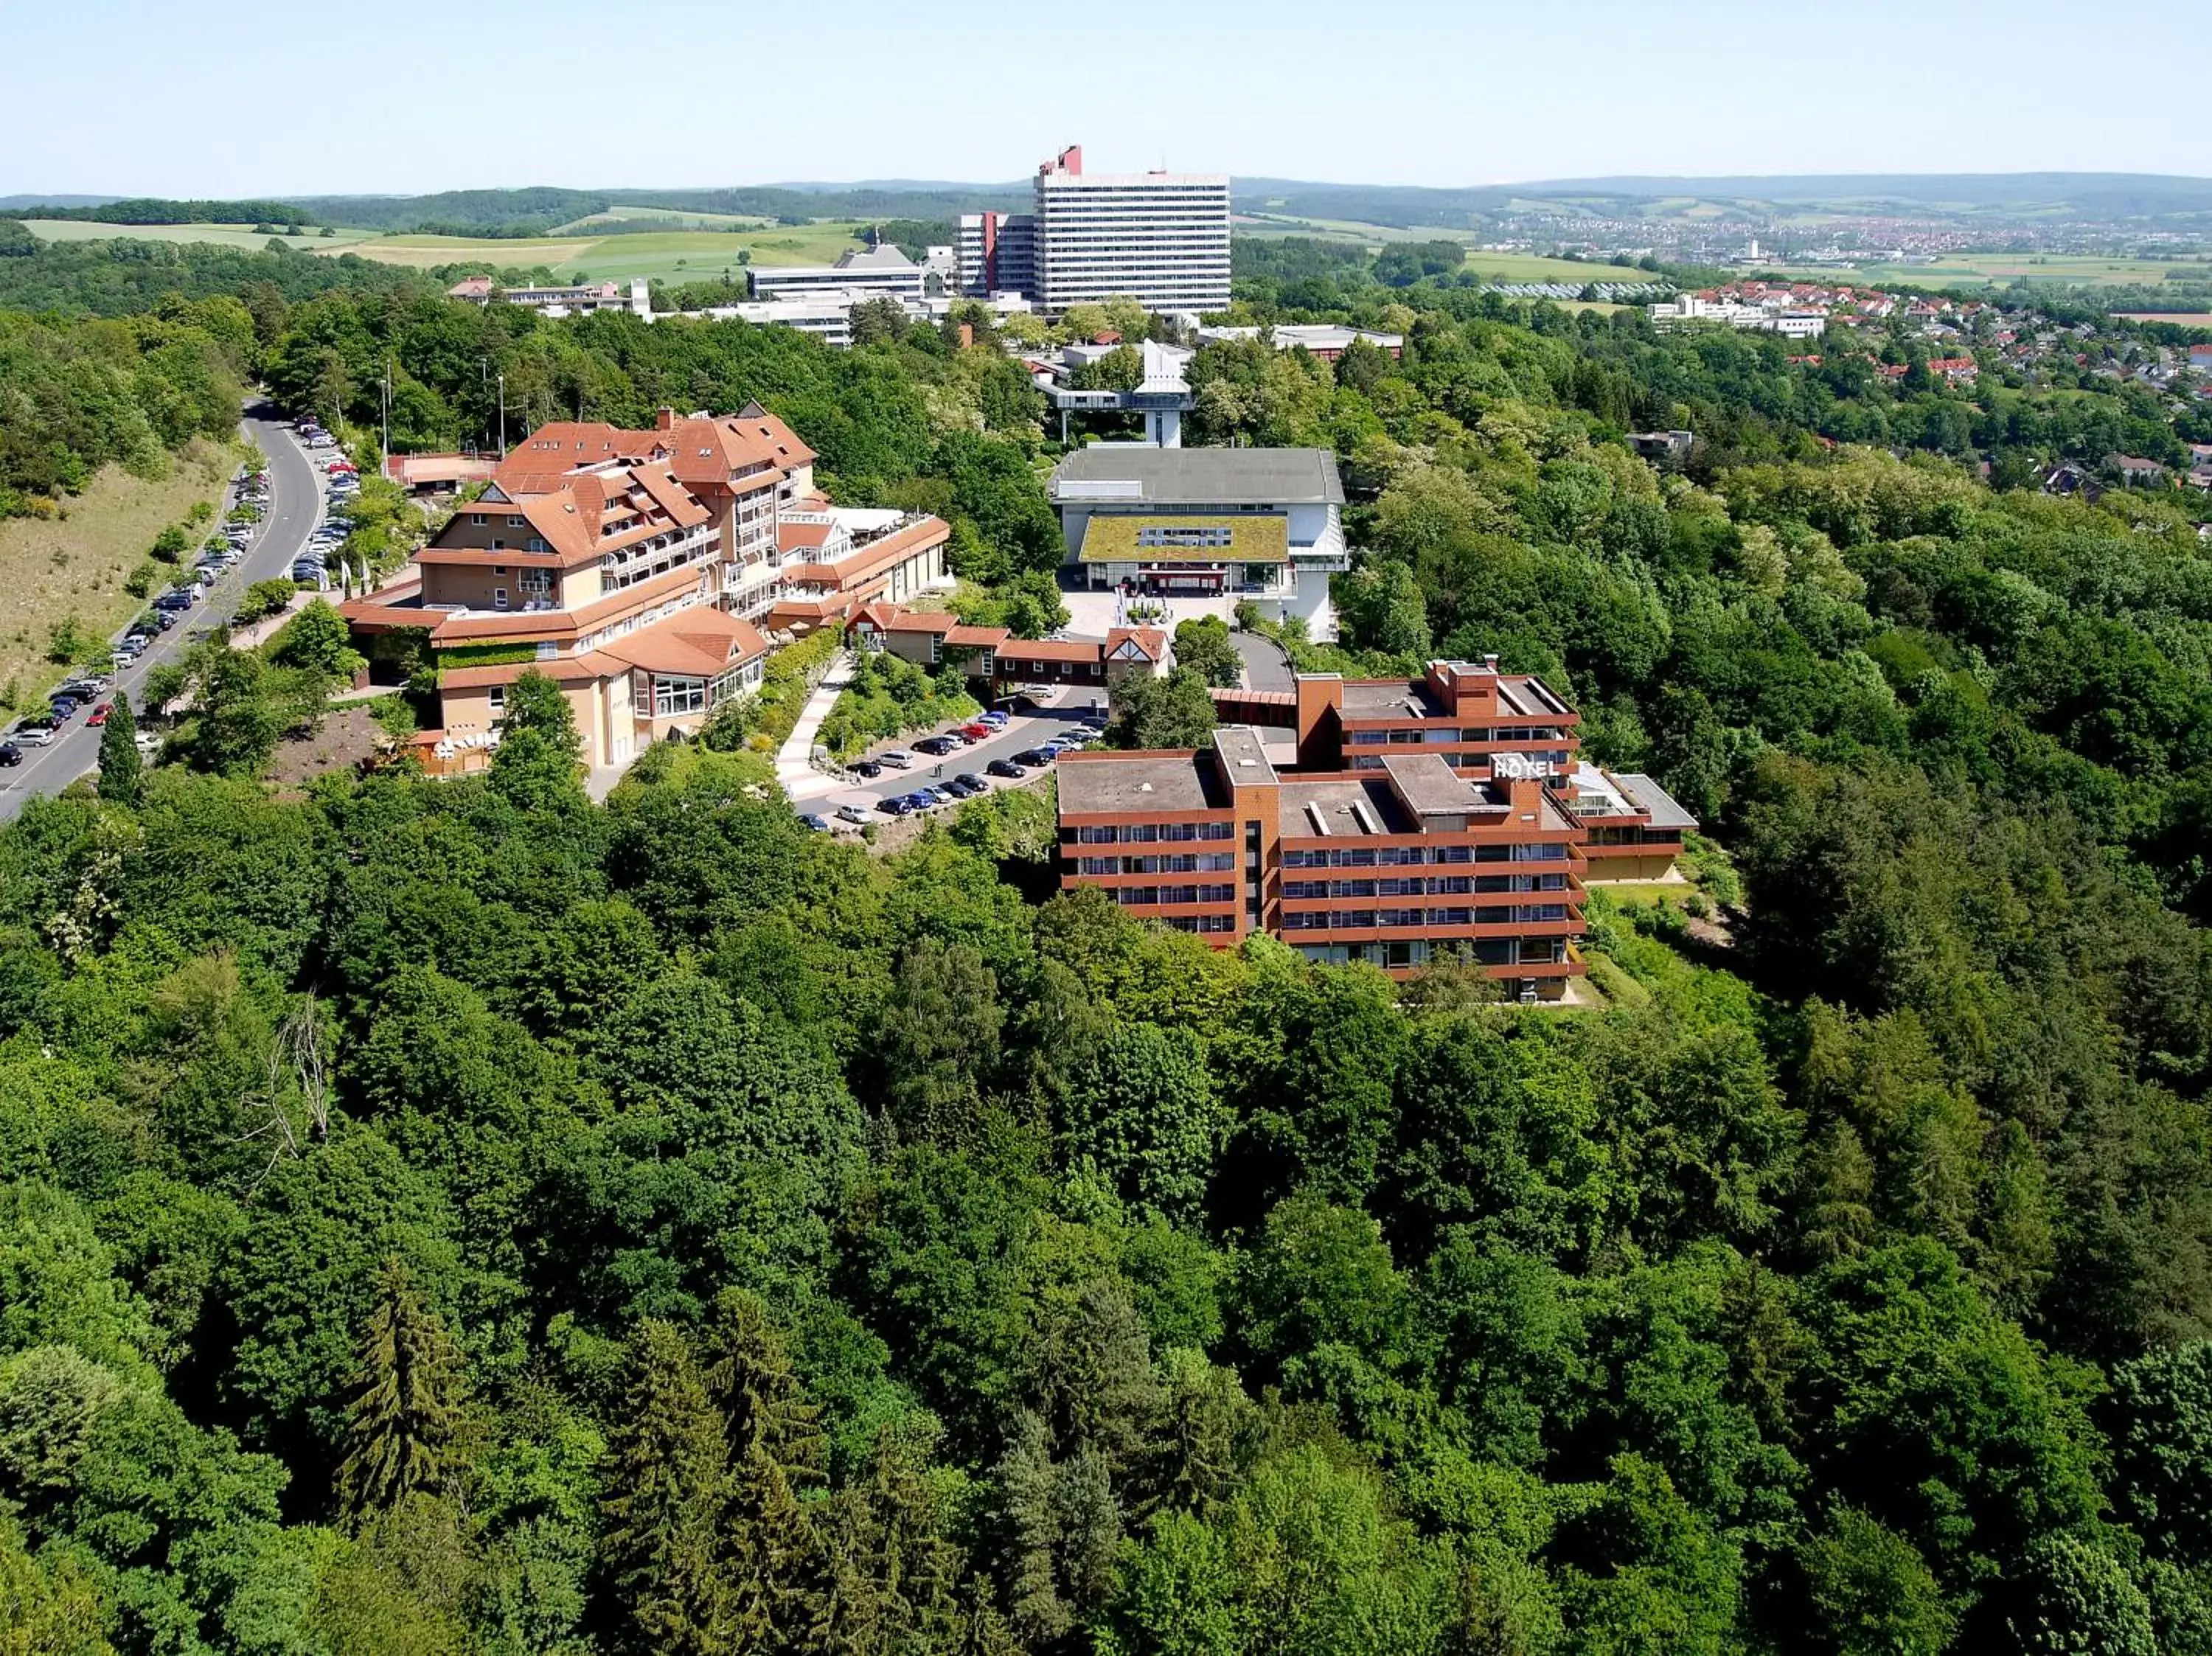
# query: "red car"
[99,714]
[977,732]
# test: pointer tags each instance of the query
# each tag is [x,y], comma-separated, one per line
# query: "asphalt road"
[1063,711]
[1267,667]
[295,506]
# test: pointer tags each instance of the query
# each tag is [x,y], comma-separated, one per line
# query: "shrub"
[171,544]
[140,581]
[264,599]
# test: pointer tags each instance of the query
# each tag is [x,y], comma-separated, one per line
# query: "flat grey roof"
[1243,754]
[1666,813]
[1431,787]
[1340,807]
[1119,782]
[1371,698]
[1202,476]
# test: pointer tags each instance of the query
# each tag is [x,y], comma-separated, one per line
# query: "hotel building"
[1392,821]
[641,571]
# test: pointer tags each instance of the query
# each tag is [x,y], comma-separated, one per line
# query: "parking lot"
[1060,711]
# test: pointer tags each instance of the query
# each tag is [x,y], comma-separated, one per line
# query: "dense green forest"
[75,396]
[463,1217]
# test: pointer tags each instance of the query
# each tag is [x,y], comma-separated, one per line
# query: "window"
[477,520]
[497,697]
[673,696]
[499,598]
[535,583]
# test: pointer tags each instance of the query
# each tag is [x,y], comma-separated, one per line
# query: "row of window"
[1210,862]
[1420,951]
[1554,757]
[1414,856]
[1449,885]
[661,697]
[1146,833]
[1147,896]
[1433,737]
[1201,923]
[1359,919]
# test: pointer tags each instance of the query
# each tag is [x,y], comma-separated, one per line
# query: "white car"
[853,814]
[31,736]
[897,758]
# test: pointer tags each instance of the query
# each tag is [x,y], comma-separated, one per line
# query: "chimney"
[1524,795]
[1490,665]
[967,335]
[666,420]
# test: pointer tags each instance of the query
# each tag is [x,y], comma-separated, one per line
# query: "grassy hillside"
[50,568]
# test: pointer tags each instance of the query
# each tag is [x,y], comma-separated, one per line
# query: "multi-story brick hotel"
[642,571]
[1384,821]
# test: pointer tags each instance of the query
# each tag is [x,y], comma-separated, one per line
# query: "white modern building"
[1263,524]
[1161,238]
[880,272]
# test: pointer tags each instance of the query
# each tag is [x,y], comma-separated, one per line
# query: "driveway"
[295,506]
[1267,665]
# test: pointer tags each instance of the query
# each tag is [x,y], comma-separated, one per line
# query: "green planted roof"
[1113,538]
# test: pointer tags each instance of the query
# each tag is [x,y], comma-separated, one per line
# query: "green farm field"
[1495,267]
[1980,270]
[666,255]
[669,255]
[222,235]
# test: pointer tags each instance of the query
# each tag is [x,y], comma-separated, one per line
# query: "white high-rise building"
[1161,238]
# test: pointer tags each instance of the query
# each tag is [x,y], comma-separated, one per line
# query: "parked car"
[11,754]
[921,799]
[147,743]
[63,707]
[995,719]
[979,731]
[852,813]
[867,767]
[820,824]
[897,758]
[935,746]
[1038,757]
[941,795]
[33,733]
[99,713]
[968,784]
[898,805]
[1006,767]
[85,686]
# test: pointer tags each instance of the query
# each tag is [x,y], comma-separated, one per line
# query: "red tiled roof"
[695,643]
[1150,640]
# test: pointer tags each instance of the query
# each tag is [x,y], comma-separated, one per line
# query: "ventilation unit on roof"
[1320,820]
[1366,817]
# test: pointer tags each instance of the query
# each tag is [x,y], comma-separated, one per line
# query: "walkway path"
[794,766]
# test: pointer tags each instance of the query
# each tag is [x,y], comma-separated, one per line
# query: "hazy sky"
[189,97]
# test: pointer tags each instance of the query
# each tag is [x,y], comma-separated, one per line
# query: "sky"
[185,98]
